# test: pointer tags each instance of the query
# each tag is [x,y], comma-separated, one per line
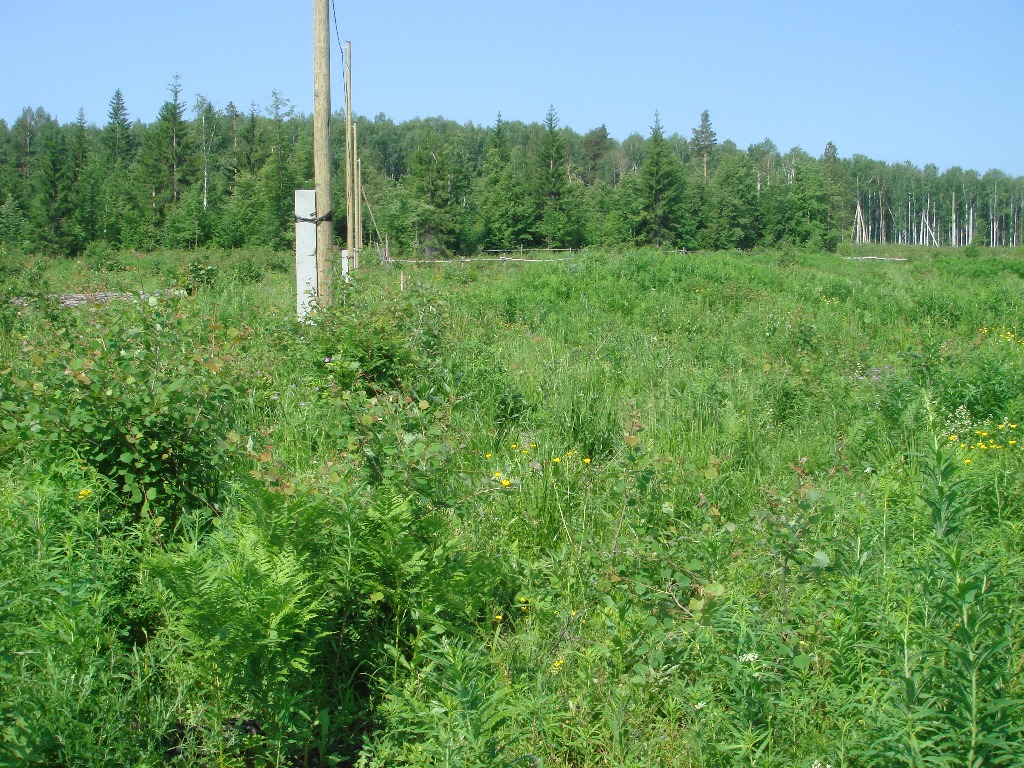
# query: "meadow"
[631,509]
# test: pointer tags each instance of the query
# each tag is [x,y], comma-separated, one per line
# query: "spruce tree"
[554,222]
[503,210]
[54,209]
[117,136]
[165,151]
[704,140]
[596,144]
[660,190]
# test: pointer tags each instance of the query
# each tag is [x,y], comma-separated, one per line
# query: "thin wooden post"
[357,185]
[322,149]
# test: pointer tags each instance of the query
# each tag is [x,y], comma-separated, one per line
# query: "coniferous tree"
[704,140]
[557,224]
[503,210]
[12,216]
[164,153]
[834,178]
[54,209]
[5,167]
[596,145]
[84,183]
[279,194]
[440,184]
[118,140]
[661,190]
[731,204]
[12,224]
[250,153]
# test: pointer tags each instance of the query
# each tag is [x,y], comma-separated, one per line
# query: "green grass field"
[631,509]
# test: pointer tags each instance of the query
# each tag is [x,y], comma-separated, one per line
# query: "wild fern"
[247,614]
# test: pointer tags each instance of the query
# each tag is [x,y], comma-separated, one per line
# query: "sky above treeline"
[897,80]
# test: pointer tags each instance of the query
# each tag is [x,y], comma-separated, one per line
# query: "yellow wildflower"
[586,460]
[506,483]
[557,459]
[84,493]
[497,474]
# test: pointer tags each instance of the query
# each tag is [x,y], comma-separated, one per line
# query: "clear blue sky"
[939,81]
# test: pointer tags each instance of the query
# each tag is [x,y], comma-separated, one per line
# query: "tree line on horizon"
[202,176]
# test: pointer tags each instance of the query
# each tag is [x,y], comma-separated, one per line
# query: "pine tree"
[660,190]
[117,137]
[165,151]
[84,183]
[54,209]
[557,224]
[704,140]
[503,210]
[596,144]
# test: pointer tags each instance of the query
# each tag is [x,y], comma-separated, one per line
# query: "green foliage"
[133,395]
[243,618]
[71,683]
[639,508]
[390,338]
[203,176]
[661,190]
[102,258]
[457,713]
[199,273]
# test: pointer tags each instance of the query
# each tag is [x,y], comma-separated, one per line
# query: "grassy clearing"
[634,509]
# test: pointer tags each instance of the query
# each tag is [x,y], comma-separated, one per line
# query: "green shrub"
[246,270]
[199,274]
[100,256]
[134,393]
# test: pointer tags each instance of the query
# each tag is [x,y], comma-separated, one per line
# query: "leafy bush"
[102,258]
[246,270]
[137,396]
[199,274]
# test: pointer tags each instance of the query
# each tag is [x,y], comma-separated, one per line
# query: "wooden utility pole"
[349,165]
[357,183]
[322,149]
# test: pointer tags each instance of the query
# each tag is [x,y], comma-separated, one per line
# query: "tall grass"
[633,509]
